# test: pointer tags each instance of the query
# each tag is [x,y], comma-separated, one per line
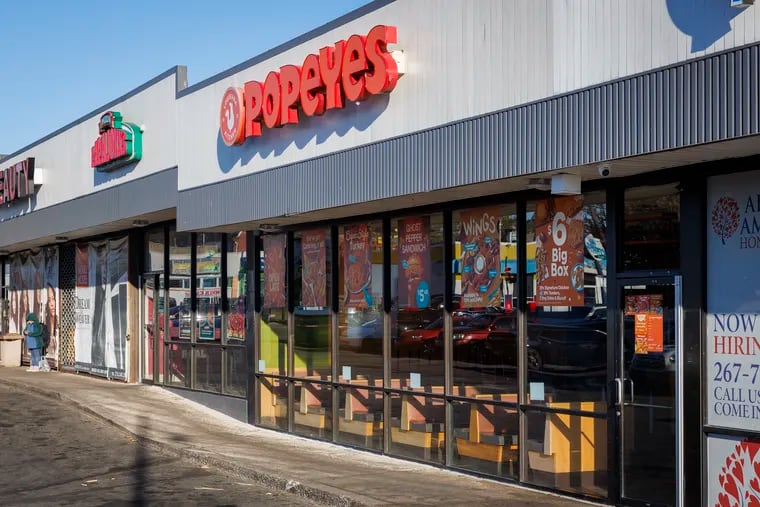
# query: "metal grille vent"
[67,282]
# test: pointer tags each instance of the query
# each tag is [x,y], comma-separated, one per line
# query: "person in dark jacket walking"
[33,333]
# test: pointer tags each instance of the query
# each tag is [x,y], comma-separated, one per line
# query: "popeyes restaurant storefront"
[508,270]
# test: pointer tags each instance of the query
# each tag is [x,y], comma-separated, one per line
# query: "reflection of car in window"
[470,339]
[427,341]
[568,341]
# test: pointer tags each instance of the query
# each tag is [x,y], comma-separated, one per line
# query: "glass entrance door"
[649,352]
[151,332]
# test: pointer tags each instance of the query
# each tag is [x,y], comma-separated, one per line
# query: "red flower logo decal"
[738,479]
[725,218]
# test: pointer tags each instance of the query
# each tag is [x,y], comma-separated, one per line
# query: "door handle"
[618,391]
[631,388]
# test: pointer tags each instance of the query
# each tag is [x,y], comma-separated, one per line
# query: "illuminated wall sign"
[350,70]
[17,181]
[119,144]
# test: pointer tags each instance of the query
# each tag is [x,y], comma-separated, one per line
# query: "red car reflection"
[427,340]
[469,339]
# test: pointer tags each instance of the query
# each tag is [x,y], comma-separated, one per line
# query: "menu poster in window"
[481,262]
[313,276]
[414,262]
[274,271]
[357,265]
[648,325]
[732,336]
[560,270]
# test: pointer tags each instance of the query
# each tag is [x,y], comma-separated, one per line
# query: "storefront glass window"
[236,372]
[154,253]
[208,314]
[484,325]
[417,287]
[567,342]
[313,276]
[651,230]
[273,336]
[208,287]
[178,357]
[236,288]
[5,297]
[208,368]
[484,339]
[180,309]
[360,326]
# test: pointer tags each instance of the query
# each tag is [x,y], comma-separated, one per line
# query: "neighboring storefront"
[75,205]
[539,270]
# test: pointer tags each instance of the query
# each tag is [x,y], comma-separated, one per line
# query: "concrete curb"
[203,458]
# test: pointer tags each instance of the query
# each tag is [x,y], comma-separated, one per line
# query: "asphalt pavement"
[319,472]
[55,454]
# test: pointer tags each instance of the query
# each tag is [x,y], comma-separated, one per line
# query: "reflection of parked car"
[469,339]
[414,318]
[426,341]
[568,341]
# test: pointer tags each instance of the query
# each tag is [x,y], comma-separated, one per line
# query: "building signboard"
[119,144]
[733,302]
[17,181]
[348,71]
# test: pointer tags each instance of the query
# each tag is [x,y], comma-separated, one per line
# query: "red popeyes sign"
[352,69]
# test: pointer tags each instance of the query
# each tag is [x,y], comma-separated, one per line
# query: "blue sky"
[61,60]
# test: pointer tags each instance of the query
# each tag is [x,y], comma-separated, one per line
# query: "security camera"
[604,170]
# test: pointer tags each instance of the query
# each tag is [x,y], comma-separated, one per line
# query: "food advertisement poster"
[313,276]
[732,337]
[647,313]
[414,262]
[559,251]
[479,236]
[274,271]
[236,291]
[357,263]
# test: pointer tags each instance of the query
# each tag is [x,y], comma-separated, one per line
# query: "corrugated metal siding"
[705,100]
[147,195]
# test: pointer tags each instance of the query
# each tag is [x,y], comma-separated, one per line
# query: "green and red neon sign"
[119,144]
[350,70]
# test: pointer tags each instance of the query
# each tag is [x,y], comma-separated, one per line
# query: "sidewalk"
[323,472]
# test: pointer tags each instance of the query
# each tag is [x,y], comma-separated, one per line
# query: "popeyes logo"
[350,70]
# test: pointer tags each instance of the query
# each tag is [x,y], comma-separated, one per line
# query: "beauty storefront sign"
[17,181]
